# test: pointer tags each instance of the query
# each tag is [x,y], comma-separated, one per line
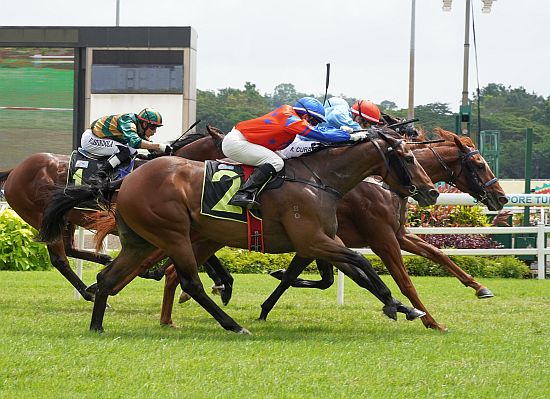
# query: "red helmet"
[367,109]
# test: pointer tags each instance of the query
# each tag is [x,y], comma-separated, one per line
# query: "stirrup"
[244,201]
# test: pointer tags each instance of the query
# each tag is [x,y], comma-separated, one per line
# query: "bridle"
[394,164]
[473,180]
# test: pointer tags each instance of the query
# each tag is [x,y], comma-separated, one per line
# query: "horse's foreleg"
[158,273]
[414,244]
[390,255]
[325,271]
[170,285]
[334,251]
[221,277]
[297,265]
[60,262]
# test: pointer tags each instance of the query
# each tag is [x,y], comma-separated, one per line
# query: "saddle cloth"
[221,181]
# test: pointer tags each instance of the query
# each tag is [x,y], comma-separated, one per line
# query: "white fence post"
[80,244]
[541,258]
[340,295]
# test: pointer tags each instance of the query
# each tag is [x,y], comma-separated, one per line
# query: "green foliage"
[508,267]
[447,215]
[511,111]
[18,250]
[243,261]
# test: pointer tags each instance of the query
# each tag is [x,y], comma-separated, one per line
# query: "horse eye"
[409,159]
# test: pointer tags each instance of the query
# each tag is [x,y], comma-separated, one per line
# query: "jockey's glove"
[346,129]
[165,147]
[358,136]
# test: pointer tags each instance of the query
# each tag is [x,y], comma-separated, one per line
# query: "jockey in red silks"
[254,142]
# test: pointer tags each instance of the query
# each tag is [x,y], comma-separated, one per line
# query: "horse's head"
[200,147]
[403,172]
[465,168]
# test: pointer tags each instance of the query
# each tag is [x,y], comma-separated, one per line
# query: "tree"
[284,93]
[386,106]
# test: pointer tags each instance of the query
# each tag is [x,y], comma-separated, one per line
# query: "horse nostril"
[433,193]
[503,200]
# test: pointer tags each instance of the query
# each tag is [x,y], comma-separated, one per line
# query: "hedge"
[18,250]
[243,261]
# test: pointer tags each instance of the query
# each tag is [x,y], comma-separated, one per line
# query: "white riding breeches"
[97,146]
[236,147]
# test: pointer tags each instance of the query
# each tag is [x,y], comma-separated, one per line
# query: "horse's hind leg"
[68,241]
[186,266]
[325,271]
[221,277]
[297,265]
[60,262]
[126,266]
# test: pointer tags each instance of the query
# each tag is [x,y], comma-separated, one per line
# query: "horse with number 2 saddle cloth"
[222,179]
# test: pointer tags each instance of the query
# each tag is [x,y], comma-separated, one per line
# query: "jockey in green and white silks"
[120,136]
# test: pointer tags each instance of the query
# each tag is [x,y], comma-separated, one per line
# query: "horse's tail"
[64,199]
[104,223]
[4,176]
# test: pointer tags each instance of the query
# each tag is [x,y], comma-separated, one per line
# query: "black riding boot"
[104,171]
[108,167]
[246,196]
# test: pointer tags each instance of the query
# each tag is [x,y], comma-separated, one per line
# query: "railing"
[516,200]
[540,251]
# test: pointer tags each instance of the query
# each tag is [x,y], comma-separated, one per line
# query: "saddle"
[83,165]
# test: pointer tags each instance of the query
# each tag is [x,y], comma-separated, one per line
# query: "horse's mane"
[191,137]
[187,139]
[450,136]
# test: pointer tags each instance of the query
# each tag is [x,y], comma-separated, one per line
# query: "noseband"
[474,181]
[394,164]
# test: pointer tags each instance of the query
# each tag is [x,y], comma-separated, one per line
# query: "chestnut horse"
[27,190]
[299,216]
[372,216]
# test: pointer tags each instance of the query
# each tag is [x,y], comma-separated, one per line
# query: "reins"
[319,185]
[478,187]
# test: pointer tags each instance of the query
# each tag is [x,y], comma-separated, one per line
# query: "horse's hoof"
[484,292]
[184,297]
[91,289]
[243,331]
[226,294]
[98,330]
[278,274]
[415,314]
[169,325]
[390,311]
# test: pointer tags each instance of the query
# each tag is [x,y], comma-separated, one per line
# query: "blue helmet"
[310,106]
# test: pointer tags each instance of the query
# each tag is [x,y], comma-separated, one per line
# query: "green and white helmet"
[150,116]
